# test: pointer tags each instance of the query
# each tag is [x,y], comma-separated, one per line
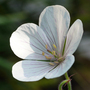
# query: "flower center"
[55,57]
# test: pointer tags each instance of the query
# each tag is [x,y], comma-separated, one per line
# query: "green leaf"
[5,64]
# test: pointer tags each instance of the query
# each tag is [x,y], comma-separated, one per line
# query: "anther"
[49,51]
[60,58]
[51,64]
[56,62]
[54,46]
[46,46]
[53,53]
[43,53]
[48,57]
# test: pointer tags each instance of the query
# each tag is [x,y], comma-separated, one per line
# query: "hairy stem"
[61,84]
[69,83]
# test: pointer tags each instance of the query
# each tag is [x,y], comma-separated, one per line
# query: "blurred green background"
[13,13]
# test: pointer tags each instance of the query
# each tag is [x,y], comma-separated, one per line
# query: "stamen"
[60,58]
[56,62]
[43,53]
[49,51]
[53,53]
[48,57]
[54,46]
[51,63]
[46,46]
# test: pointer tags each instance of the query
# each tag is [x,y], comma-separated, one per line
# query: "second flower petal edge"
[74,36]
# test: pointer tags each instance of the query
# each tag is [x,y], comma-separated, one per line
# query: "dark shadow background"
[13,13]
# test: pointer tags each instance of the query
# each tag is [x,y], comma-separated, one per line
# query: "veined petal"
[74,37]
[55,20]
[62,68]
[28,70]
[28,42]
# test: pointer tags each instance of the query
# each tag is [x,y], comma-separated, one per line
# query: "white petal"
[27,70]
[74,37]
[28,42]
[55,20]
[61,68]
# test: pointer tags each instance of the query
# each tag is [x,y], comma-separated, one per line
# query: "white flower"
[47,48]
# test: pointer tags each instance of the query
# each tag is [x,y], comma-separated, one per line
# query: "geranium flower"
[47,48]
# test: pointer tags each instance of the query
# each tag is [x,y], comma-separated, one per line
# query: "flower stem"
[69,83]
[61,84]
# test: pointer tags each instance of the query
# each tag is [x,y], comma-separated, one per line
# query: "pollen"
[43,53]
[48,57]
[54,46]
[51,63]
[46,46]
